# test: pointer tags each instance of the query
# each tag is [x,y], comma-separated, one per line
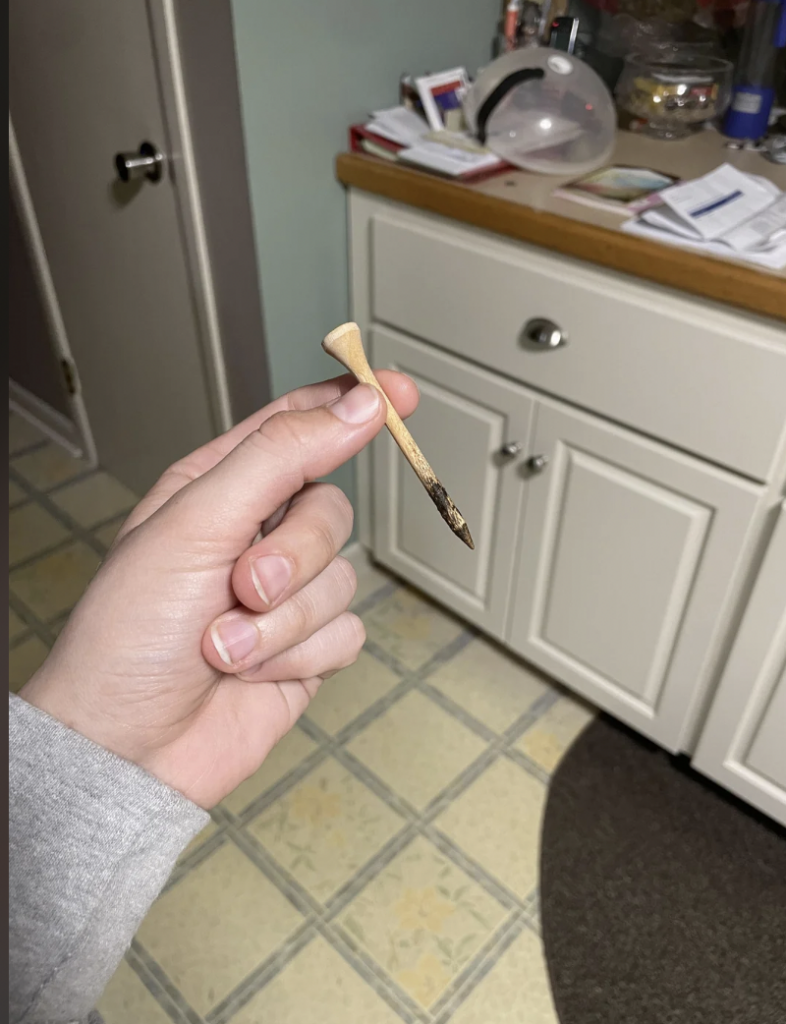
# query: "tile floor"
[382,865]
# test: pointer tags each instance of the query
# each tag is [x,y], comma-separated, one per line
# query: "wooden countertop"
[521,206]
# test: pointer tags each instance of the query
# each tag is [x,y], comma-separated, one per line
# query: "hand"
[197,645]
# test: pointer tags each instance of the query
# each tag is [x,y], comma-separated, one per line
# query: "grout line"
[281,957]
[374,975]
[468,981]
[43,499]
[160,985]
[276,873]
[34,624]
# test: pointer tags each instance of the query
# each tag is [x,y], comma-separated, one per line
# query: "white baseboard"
[48,420]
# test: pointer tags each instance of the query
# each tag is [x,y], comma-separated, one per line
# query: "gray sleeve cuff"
[93,839]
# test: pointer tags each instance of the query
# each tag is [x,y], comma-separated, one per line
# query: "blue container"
[754,83]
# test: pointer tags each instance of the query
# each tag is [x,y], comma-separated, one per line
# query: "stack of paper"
[725,213]
[454,154]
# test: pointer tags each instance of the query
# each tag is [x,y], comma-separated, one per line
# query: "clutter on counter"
[726,213]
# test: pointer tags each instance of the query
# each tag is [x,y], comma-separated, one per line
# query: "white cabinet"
[743,742]
[464,419]
[620,565]
[624,560]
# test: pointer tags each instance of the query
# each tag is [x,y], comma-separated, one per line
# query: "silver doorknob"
[540,333]
[510,450]
[147,163]
[537,463]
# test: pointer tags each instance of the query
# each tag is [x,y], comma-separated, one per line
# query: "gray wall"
[306,72]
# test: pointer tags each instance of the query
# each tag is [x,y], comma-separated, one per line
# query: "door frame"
[75,435]
[206,155]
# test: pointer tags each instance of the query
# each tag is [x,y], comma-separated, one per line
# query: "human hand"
[198,645]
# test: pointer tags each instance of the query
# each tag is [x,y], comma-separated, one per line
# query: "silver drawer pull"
[540,333]
[510,450]
[537,463]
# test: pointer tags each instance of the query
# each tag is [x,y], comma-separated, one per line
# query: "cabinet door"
[626,554]
[743,743]
[464,418]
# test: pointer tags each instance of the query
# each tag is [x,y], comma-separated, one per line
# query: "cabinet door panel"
[626,554]
[743,743]
[464,417]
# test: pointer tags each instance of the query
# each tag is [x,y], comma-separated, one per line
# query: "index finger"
[400,389]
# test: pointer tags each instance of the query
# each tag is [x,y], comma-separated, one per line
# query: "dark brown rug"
[663,900]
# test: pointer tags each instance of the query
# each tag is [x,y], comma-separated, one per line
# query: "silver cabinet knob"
[510,450]
[543,334]
[147,163]
[537,463]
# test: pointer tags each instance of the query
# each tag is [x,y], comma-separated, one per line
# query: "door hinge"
[69,376]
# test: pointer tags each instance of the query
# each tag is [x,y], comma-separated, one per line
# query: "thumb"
[226,505]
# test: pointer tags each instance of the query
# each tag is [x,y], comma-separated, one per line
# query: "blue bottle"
[753,92]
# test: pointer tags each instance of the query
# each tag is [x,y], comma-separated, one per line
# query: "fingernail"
[270,575]
[234,639]
[359,405]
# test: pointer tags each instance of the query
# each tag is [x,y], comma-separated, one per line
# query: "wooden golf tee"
[346,345]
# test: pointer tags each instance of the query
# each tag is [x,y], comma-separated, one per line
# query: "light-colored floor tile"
[94,499]
[547,741]
[317,987]
[22,434]
[24,660]
[216,925]
[497,821]
[515,991]
[350,692]
[48,466]
[416,748]
[285,756]
[106,534]
[55,582]
[422,919]
[370,580]
[16,494]
[325,828]
[410,628]
[31,529]
[125,1000]
[15,625]
[201,837]
[492,686]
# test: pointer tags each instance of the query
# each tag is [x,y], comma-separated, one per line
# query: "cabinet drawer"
[707,381]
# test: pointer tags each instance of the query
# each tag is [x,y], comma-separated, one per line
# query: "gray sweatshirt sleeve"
[93,839]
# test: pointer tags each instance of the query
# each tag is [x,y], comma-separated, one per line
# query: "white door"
[465,418]
[743,743]
[625,557]
[84,85]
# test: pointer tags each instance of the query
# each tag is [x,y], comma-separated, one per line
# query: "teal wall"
[306,72]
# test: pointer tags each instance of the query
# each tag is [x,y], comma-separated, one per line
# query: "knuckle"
[346,577]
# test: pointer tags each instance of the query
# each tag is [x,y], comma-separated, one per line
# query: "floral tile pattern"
[547,741]
[55,583]
[482,668]
[95,499]
[407,805]
[422,919]
[497,822]
[416,748]
[216,925]
[516,990]
[325,828]
[317,987]
[351,692]
[409,628]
